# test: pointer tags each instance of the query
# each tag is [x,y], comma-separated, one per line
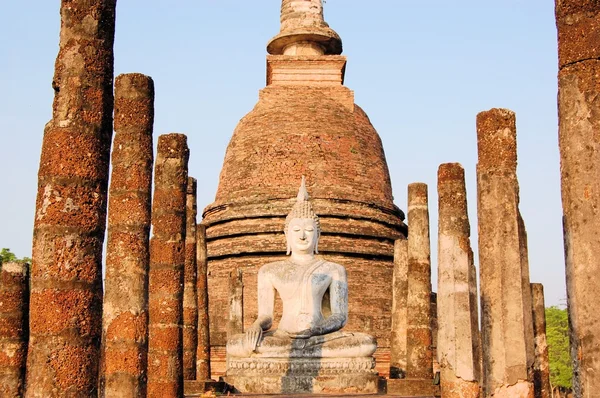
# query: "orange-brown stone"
[166,276]
[14,301]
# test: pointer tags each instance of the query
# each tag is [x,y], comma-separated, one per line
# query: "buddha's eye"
[309,229]
[296,229]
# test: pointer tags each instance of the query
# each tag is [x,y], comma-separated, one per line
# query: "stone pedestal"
[302,375]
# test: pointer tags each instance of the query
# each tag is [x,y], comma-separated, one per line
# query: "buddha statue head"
[302,227]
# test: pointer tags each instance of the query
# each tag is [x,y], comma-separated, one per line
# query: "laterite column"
[70,217]
[419,354]
[235,324]
[458,325]
[125,316]
[507,361]
[398,336]
[411,359]
[190,301]
[578,25]
[167,258]
[541,366]
[14,297]
[203,350]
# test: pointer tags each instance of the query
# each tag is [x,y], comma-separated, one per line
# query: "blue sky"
[421,70]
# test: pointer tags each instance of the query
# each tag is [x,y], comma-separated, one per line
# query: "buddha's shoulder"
[334,266]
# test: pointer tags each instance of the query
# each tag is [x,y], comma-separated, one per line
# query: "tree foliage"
[557,335]
[6,256]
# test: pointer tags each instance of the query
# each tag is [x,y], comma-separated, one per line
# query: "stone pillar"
[398,336]
[167,258]
[506,359]
[125,316]
[541,365]
[527,300]
[235,324]
[70,218]
[203,350]
[190,301]
[458,326]
[419,354]
[435,368]
[14,297]
[578,28]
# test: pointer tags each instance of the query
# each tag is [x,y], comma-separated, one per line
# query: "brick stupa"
[305,123]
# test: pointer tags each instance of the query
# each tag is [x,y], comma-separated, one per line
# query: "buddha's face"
[302,235]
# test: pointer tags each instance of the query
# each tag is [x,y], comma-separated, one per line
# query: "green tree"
[7,256]
[557,335]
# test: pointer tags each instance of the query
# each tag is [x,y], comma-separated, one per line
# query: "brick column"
[14,298]
[66,281]
[167,258]
[190,301]
[507,363]
[235,324]
[398,336]
[203,351]
[125,316]
[578,25]
[419,354]
[458,326]
[541,366]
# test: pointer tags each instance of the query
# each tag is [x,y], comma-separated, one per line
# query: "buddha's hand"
[252,337]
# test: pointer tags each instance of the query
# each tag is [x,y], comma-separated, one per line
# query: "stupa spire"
[304,31]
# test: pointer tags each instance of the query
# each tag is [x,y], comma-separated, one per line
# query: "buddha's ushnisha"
[315,300]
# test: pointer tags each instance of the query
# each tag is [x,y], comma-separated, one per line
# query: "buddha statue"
[314,293]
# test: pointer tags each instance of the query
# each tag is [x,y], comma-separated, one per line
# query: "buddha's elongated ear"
[317,242]
[287,242]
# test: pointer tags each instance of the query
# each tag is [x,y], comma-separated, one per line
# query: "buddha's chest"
[295,282]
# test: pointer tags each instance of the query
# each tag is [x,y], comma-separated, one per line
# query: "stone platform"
[303,375]
[412,388]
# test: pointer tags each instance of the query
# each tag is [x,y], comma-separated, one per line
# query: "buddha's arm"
[338,293]
[266,299]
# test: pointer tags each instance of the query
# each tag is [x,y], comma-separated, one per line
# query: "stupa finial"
[304,31]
